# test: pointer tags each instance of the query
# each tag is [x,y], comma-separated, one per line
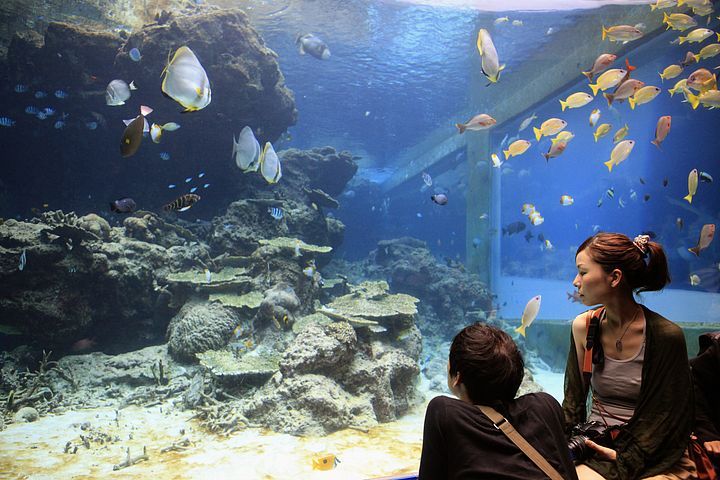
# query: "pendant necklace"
[618,342]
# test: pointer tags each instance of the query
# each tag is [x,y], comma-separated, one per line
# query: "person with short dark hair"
[636,367]
[706,380]
[485,367]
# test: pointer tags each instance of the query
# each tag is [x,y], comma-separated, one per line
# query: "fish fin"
[604,32]
[594,87]
[521,330]
[609,97]
[538,132]
[682,40]
[596,137]
[132,85]
[693,99]
[589,75]
[632,102]
[656,143]
[688,197]
[563,105]
[629,67]
[653,6]
[461,128]
[695,250]
[235,147]
[507,154]
[609,164]
[479,44]
[547,156]
[145,110]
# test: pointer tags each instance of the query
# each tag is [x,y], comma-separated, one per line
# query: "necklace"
[618,342]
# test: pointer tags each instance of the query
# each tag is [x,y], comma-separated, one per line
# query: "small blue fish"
[172,185]
[59,124]
[41,115]
[206,185]
[30,110]
[61,94]
[49,111]
[193,189]
[135,55]
[40,94]
[164,155]
[275,212]
[188,180]
[23,261]
[91,125]
[6,122]
[201,174]
[20,88]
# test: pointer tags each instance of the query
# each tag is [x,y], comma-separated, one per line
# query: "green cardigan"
[658,433]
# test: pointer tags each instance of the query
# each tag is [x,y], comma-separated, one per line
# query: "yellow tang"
[601,131]
[186,81]
[518,147]
[576,100]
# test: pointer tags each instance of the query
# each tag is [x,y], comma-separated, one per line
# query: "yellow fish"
[620,134]
[549,127]
[601,131]
[692,185]
[620,153]
[527,208]
[710,99]
[663,4]
[536,218]
[671,71]
[694,280]
[491,67]
[680,86]
[270,164]
[496,160]
[564,136]
[644,95]
[529,313]
[708,51]
[576,100]
[678,21]
[608,80]
[325,462]
[697,36]
[566,200]
[518,147]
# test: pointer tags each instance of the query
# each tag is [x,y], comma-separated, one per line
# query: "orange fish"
[325,462]
[478,122]
[661,130]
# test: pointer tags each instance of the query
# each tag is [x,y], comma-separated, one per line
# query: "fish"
[188,179]
[83,345]
[164,156]
[594,117]
[535,218]
[500,20]
[566,200]
[692,185]
[620,153]
[555,150]
[172,185]
[275,212]
[427,179]
[661,130]
[625,90]
[621,33]
[193,189]
[23,260]
[246,150]
[40,94]
[526,123]
[665,182]
[679,223]
[7,122]
[646,197]
[325,462]
[61,94]
[117,92]
[206,185]
[689,59]
[663,4]
[644,95]
[564,136]
[270,168]
[182,203]
[186,81]
[671,71]
[547,245]
[705,177]
[479,122]
[707,233]
[518,147]
[496,160]
[708,51]
[311,44]
[678,21]
[133,134]
[528,236]
[31,110]
[549,127]
[439,198]
[601,63]
[91,125]
[124,205]
[710,99]
[680,86]
[512,228]
[491,67]
[621,133]
[201,174]
[529,313]
[527,208]
[21,88]
[694,280]
[696,36]
[208,276]
[608,80]
[702,80]
[156,130]
[310,269]
[134,54]
[601,131]
[576,100]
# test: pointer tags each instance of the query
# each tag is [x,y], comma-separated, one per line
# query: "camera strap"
[592,326]
[504,426]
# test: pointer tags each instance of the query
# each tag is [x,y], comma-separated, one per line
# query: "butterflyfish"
[491,67]
[270,164]
[246,150]
[186,81]
[325,462]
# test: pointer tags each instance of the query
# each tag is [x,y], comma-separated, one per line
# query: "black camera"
[595,431]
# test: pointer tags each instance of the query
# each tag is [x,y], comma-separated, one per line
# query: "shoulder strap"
[503,425]
[592,325]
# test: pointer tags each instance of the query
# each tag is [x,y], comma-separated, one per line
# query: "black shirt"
[460,442]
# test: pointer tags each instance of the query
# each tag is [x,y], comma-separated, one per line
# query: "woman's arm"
[575,399]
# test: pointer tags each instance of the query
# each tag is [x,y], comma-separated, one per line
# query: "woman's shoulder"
[662,326]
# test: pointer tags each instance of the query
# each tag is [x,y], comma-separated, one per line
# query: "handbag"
[705,469]
[504,426]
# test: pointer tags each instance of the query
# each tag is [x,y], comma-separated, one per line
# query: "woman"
[459,442]
[637,370]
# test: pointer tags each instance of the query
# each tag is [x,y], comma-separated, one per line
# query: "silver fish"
[23,261]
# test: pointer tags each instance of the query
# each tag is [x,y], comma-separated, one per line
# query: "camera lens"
[578,450]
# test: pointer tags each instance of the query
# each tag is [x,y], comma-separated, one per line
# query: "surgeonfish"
[621,33]
[620,153]
[576,100]
[692,185]
[186,81]
[311,44]
[325,462]
[491,67]
[182,203]
[601,63]
[132,136]
[481,121]
[529,313]
[707,233]
[549,127]
[270,167]
[246,150]
[661,130]
[117,92]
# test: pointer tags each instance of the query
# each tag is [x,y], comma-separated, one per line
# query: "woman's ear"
[456,380]
[616,277]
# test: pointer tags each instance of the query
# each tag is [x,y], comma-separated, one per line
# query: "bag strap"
[503,425]
[592,325]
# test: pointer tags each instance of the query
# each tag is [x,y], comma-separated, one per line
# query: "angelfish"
[186,81]
[706,236]
[531,310]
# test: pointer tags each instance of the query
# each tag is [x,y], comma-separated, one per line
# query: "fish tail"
[665,20]
[235,147]
[693,99]
[596,137]
[538,133]
[688,197]
[563,105]
[632,102]
[461,128]
[656,143]
[653,6]
[507,154]
[521,330]
[609,164]
[604,32]
[695,250]
[609,97]
[594,87]
[629,67]
[547,156]
[589,75]
[682,40]
[718,35]
[662,79]
[680,3]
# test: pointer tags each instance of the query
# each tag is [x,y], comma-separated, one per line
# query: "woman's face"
[592,283]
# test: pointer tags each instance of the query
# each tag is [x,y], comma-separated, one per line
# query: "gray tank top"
[616,386]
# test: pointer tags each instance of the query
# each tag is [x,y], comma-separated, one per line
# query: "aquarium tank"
[238,237]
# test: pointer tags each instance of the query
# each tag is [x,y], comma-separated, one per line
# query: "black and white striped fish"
[182,203]
[275,212]
[6,122]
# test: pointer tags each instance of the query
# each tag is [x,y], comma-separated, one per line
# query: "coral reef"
[199,327]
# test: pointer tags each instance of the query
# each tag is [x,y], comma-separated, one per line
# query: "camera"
[595,431]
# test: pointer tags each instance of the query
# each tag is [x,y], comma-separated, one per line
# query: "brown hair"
[489,362]
[643,271]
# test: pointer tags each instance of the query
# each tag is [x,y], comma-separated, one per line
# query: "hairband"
[641,242]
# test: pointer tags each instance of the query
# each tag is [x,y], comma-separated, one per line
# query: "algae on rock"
[251,300]
[289,243]
[370,304]
[255,365]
